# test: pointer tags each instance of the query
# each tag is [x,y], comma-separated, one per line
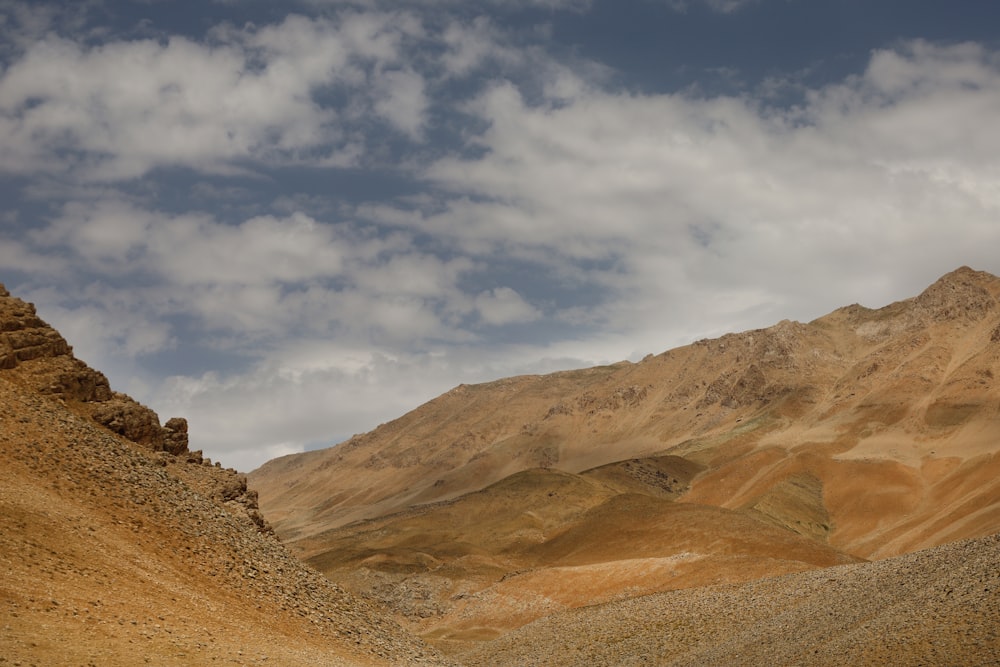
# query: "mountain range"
[863,435]
[811,493]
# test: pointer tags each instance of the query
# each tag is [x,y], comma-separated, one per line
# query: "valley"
[824,493]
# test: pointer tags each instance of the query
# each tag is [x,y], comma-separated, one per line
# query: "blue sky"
[289,222]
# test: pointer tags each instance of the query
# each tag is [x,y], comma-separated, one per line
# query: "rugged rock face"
[41,358]
[119,545]
[25,337]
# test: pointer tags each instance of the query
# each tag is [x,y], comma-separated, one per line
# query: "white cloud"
[401,100]
[665,217]
[571,5]
[728,6]
[503,305]
[474,44]
[300,92]
[112,326]
[15,255]
[120,109]
[293,400]
[22,23]
[414,275]
[243,418]
[263,277]
[691,199]
[720,6]
[115,237]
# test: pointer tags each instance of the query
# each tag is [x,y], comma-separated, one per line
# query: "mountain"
[541,541]
[863,435]
[121,547]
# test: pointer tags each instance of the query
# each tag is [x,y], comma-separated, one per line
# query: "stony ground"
[110,558]
[935,607]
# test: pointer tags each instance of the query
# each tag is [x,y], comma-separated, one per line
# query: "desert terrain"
[499,518]
[822,493]
[934,607]
[119,546]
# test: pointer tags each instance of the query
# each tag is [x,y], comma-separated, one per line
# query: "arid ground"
[824,493]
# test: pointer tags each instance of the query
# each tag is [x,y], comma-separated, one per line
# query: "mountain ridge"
[740,387]
[865,434]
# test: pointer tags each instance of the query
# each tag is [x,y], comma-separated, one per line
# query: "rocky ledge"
[43,361]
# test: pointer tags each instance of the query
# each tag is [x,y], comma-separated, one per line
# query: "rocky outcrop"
[960,296]
[45,360]
[175,440]
[23,335]
[114,555]
[141,425]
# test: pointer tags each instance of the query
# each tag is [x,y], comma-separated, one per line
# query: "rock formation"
[25,337]
[120,546]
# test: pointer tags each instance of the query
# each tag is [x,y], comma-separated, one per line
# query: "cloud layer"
[117,110]
[544,217]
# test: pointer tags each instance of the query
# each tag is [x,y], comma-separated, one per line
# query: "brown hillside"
[865,434]
[120,547]
[541,541]
[876,430]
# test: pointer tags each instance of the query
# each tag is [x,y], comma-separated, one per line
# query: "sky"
[291,222]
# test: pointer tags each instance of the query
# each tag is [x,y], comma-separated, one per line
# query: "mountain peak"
[965,275]
[963,294]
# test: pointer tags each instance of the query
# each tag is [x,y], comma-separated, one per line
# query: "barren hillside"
[864,434]
[118,546]
[541,541]
[536,520]
[902,403]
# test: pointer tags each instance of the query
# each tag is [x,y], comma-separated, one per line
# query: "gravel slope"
[940,606]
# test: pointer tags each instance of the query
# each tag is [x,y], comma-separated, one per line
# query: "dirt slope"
[119,551]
